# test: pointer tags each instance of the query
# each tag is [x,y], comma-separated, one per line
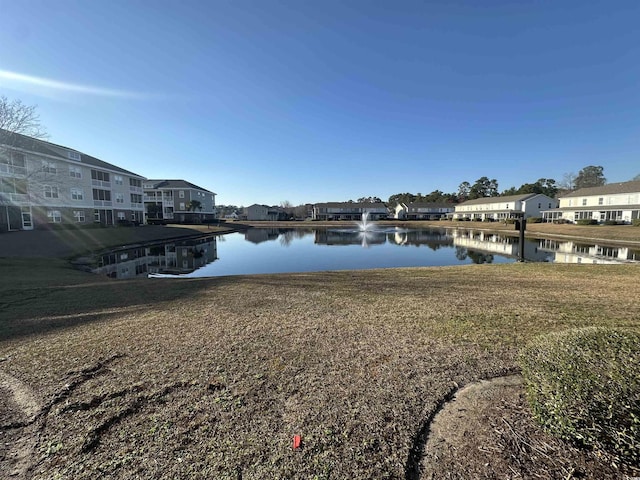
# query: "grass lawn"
[211,378]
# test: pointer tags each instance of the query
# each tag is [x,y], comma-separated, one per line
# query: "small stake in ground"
[297,442]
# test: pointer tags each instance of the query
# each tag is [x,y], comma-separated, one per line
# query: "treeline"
[590,176]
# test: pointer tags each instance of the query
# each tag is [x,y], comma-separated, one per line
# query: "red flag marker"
[296,442]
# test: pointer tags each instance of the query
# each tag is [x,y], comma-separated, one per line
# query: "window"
[584,202]
[98,175]
[50,192]
[101,194]
[74,156]
[117,179]
[96,216]
[121,216]
[75,172]
[77,194]
[49,167]
[78,215]
[17,159]
[134,182]
[181,193]
[119,197]
[181,206]
[539,205]
[54,216]
[601,201]
[136,198]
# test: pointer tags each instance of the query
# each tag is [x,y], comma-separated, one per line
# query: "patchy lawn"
[211,378]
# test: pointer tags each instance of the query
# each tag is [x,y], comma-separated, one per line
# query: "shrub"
[613,222]
[510,221]
[586,221]
[636,222]
[534,220]
[584,386]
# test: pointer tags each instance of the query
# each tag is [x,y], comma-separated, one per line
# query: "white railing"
[102,203]
[137,205]
[12,169]
[152,198]
[135,189]
[13,198]
[100,183]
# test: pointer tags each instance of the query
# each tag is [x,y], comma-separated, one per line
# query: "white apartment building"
[501,208]
[44,184]
[619,202]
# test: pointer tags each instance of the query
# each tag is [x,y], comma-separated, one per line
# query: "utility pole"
[521,225]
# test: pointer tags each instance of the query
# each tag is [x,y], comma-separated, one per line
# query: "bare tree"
[568,181]
[16,117]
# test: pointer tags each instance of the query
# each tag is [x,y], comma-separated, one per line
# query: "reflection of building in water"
[176,257]
[578,252]
[497,244]
[259,235]
[434,239]
[349,237]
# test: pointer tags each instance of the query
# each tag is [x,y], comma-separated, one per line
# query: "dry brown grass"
[211,378]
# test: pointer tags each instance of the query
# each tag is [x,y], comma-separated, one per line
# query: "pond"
[282,250]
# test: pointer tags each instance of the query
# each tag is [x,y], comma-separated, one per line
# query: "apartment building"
[501,208]
[44,184]
[178,201]
[618,202]
[349,211]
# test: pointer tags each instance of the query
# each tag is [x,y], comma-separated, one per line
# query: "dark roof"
[351,205]
[430,205]
[175,184]
[509,198]
[608,189]
[23,142]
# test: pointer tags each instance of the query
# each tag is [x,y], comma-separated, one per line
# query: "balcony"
[100,183]
[137,206]
[152,198]
[135,189]
[102,203]
[12,169]
[14,198]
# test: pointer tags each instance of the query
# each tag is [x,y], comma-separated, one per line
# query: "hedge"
[584,386]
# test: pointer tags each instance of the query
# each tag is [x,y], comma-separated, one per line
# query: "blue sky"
[309,101]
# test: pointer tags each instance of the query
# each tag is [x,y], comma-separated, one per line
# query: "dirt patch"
[18,409]
[486,431]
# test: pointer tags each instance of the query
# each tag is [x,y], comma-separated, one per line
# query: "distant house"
[44,184]
[615,201]
[171,200]
[501,208]
[423,211]
[261,213]
[349,211]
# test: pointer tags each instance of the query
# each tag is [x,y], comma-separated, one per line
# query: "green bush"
[534,220]
[613,222]
[587,221]
[584,386]
[636,222]
[510,221]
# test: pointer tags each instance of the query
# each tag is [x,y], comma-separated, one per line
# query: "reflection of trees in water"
[476,257]
[288,236]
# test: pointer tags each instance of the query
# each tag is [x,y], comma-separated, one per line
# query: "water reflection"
[497,244]
[580,252]
[274,250]
[175,257]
